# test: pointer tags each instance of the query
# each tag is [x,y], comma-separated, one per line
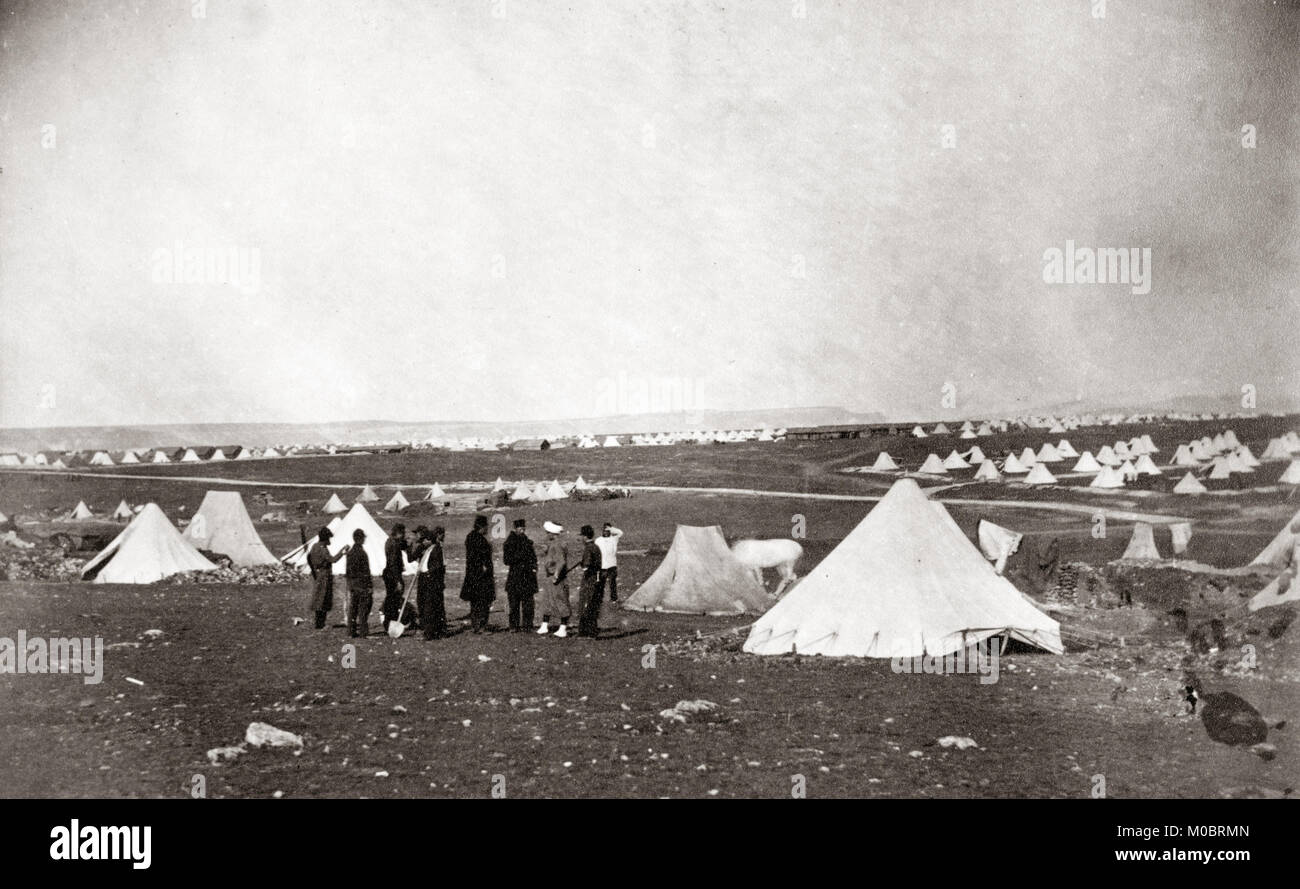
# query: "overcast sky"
[492,210]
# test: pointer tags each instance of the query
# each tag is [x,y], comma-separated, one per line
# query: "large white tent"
[342,528]
[699,575]
[221,525]
[905,582]
[1281,548]
[147,550]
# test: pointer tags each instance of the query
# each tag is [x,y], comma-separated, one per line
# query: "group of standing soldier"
[596,567]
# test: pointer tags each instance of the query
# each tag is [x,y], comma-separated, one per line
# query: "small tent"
[129,457]
[1013,466]
[1291,475]
[334,506]
[1040,475]
[438,495]
[123,511]
[1087,463]
[884,462]
[1066,450]
[498,485]
[905,582]
[611,441]
[555,492]
[1142,545]
[918,432]
[221,525]
[974,456]
[699,575]
[521,492]
[79,512]
[1276,450]
[1146,466]
[1189,484]
[987,472]
[954,461]
[189,456]
[1183,457]
[161,457]
[1220,470]
[1281,548]
[342,528]
[1028,458]
[367,495]
[396,503]
[933,466]
[1108,477]
[217,455]
[147,550]
[1107,457]
[1128,470]
[1049,454]
[101,458]
[941,429]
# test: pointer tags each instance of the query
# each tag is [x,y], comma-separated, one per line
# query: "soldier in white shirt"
[607,543]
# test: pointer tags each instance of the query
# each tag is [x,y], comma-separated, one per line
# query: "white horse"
[780,553]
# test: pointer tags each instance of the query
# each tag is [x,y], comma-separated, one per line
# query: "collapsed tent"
[1142,545]
[884,462]
[699,575]
[905,582]
[221,525]
[342,529]
[997,543]
[147,550]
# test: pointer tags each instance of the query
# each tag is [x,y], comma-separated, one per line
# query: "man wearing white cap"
[555,562]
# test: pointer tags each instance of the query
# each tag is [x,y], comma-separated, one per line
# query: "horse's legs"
[786,570]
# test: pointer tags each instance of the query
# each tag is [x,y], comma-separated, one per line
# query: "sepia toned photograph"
[650,399]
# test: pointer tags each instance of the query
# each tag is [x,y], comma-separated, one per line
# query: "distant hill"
[263,434]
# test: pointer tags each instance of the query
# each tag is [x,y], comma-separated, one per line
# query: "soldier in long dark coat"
[590,592]
[395,548]
[431,581]
[321,565]
[521,582]
[479,587]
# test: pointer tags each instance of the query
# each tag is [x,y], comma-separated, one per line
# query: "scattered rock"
[958,742]
[225,754]
[260,734]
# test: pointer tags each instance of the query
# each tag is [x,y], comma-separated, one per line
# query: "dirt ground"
[537,716]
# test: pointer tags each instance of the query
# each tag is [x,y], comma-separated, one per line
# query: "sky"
[497,209]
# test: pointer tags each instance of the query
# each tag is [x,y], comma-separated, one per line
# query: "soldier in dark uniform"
[321,565]
[589,592]
[361,586]
[479,588]
[521,582]
[394,564]
[431,581]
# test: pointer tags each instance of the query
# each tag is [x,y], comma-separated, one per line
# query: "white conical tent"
[221,525]
[130,457]
[1106,456]
[699,575]
[918,432]
[1121,450]
[101,458]
[1189,484]
[367,495]
[997,543]
[1149,446]
[437,495]
[270,452]
[147,550]
[884,462]
[1183,457]
[954,461]
[1276,450]
[396,503]
[1220,470]
[974,456]
[80,511]
[611,441]
[987,472]
[1142,545]
[1128,470]
[583,485]
[1087,463]
[1236,463]
[334,505]
[1040,475]
[1280,591]
[940,429]
[1281,548]
[1028,458]
[217,456]
[244,454]
[521,492]
[1247,457]
[905,582]
[1291,475]
[969,433]
[933,465]
[342,529]
[1146,466]
[123,511]
[1108,477]
[190,457]
[1066,450]
[1048,454]
[1013,466]
[555,492]
[498,485]
[161,457]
